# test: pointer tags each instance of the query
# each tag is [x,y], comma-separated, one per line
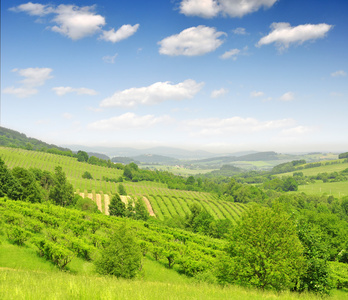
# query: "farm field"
[325,167]
[336,189]
[165,202]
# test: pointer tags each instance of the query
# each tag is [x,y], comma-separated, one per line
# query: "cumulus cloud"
[339,73]
[129,121]
[122,33]
[232,8]
[218,93]
[256,94]
[289,96]
[76,22]
[62,90]
[192,41]
[283,35]
[33,9]
[33,77]
[153,94]
[234,125]
[231,53]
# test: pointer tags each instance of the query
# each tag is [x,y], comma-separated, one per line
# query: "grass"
[336,189]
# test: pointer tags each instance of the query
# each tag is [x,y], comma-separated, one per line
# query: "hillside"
[12,138]
[166,203]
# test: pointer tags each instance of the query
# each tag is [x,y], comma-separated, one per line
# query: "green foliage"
[31,189]
[141,212]
[117,207]
[122,257]
[343,155]
[17,235]
[264,251]
[121,190]
[9,186]
[62,192]
[82,156]
[85,204]
[87,175]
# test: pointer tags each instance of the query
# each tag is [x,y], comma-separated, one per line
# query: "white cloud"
[62,90]
[110,59]
[218,93]
[192,41]
[201,8]
[77,22]
[240,31]
[339,73]
[282,34]
[212,8]
[153,94]
[129,121]
[234,125]
[33,77]
[231,53]
[21,92]
[289,96]
[256,94]
[33,9]
[122,33]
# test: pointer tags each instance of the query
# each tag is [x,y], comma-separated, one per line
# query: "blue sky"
[218,75]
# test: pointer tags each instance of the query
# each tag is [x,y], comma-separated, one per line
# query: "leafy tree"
[127,172]
[264,251]
[82,156]
[121,190]
[141,212]
[9,185]
[31,190]
[290,184]
[62,192]
[122,257]
[85,204]
[117,207]
[87,175]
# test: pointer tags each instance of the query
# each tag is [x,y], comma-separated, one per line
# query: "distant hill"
[12,138]
[99,155]
[156,159]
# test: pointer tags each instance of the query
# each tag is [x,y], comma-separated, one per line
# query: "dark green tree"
[141,212]
[9,185]
[82,156]
[32,191]
[122,257]
[62,193]
[117,207]
[87,175]
[121,190]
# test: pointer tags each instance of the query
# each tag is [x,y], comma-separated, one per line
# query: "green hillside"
[165,202]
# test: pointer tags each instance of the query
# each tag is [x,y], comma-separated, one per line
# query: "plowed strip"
[98,200]
[149,207]
[106,202]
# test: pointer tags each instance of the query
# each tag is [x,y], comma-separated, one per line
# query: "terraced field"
[165,203]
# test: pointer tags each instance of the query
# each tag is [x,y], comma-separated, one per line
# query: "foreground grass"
[19,284]
[23,275]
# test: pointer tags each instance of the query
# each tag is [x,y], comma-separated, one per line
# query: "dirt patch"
[98,201]
[149,207]
[125,199]
[106,203]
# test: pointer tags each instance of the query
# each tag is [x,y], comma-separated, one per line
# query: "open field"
[326,167]
[336,189]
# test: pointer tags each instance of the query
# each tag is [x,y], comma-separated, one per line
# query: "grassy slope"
[32,278]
